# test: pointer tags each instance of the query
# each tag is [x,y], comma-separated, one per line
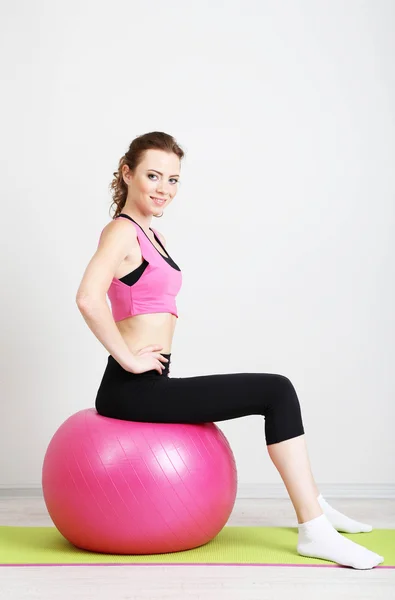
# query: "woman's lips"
[158,201]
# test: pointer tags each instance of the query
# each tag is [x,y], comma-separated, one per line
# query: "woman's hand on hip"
[147,359]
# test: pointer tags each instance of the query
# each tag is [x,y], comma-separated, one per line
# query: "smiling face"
[155,177]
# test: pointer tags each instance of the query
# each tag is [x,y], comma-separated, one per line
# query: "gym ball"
[127,487]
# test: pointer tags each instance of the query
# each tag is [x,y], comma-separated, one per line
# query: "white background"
[283,224]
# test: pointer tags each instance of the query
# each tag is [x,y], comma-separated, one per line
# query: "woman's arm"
[115,242]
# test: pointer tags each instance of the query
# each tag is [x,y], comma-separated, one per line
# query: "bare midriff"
[144,330]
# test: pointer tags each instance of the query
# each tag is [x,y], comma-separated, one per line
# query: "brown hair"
[133,157]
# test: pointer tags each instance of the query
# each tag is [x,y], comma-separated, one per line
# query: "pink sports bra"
[152,287]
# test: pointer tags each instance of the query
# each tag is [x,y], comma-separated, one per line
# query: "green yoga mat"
[260,546]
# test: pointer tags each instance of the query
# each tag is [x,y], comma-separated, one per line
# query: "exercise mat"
[252,546]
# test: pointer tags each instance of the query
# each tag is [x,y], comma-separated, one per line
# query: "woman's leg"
[272,396]
[292,462]
[151,397]
[222,397]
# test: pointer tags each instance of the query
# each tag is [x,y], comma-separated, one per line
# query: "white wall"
[283,225]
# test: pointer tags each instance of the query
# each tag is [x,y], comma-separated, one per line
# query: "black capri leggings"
[155,398]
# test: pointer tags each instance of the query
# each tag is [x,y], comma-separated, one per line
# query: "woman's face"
[156,177]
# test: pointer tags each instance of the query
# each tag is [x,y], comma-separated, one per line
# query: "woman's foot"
[319,539]
[340,521]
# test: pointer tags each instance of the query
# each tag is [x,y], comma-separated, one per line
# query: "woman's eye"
[153,175]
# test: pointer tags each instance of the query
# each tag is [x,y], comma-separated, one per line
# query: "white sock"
[340,521]
[319,539]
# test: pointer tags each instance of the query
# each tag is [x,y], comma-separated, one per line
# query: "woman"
[142,280]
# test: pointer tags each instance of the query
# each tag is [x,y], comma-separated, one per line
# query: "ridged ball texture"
[126,487]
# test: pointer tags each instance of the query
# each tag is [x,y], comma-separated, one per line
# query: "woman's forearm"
[100,321]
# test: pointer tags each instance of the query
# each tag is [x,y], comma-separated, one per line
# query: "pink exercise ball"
[127,487]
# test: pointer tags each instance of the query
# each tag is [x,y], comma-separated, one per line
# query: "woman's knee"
[283,416]
[285,393]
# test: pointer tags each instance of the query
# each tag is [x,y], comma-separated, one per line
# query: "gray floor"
[211,583]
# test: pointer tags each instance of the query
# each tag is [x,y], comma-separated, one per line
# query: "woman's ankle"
[307,513]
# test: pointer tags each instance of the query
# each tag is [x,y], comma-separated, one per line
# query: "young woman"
[133,267]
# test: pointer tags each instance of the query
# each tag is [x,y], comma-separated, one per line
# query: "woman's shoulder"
[118,227]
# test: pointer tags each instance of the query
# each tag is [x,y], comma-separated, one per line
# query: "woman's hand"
[147,359]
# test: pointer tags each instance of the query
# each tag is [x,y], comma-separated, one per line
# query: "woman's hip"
[153,397]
